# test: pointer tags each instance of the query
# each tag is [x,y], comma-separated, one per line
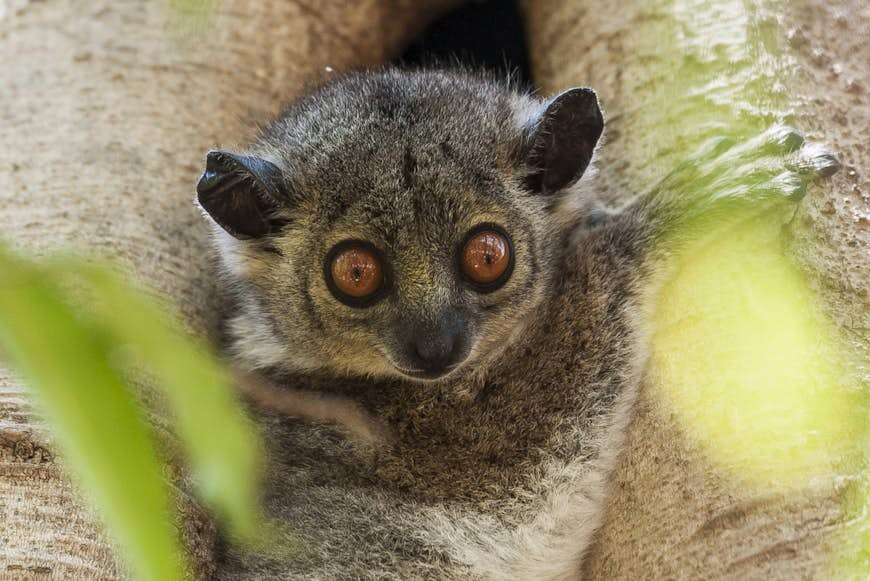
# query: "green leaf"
[221,443]
[65,356]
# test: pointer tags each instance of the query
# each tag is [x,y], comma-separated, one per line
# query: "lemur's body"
[507,400]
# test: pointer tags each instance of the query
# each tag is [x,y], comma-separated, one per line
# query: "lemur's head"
[396,223]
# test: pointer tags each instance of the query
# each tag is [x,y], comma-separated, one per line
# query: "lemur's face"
[397,225]
[416,281]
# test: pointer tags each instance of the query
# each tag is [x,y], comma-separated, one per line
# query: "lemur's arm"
[318,408]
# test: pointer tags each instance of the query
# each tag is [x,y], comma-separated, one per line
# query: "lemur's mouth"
[428,375]
[410,364]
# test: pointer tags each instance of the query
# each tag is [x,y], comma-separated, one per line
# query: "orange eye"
[355,272]
[487,259]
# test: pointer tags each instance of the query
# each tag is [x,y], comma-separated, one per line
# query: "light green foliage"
[76,356]
[752,368]
[742,352]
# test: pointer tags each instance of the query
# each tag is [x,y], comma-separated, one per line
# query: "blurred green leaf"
[219,441]
[64,354]
[76,359]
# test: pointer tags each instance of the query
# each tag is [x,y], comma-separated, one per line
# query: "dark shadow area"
[487,34]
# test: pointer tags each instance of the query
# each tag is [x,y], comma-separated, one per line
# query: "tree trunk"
[659,69]
[106,112]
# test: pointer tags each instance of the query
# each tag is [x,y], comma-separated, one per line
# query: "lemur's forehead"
[402,204]
[407,180]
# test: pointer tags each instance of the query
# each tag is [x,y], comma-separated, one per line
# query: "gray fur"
[499,469]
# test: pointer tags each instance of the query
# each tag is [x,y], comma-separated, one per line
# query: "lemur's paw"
[775,164]
[803,162]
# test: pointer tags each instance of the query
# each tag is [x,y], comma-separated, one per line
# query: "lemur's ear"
[242,194]
[562,138]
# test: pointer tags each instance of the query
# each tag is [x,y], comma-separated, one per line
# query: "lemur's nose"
[437,345]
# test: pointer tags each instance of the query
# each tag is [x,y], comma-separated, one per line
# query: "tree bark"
[106,112]
[672,513]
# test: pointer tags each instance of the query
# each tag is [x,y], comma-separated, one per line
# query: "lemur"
[417,241]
